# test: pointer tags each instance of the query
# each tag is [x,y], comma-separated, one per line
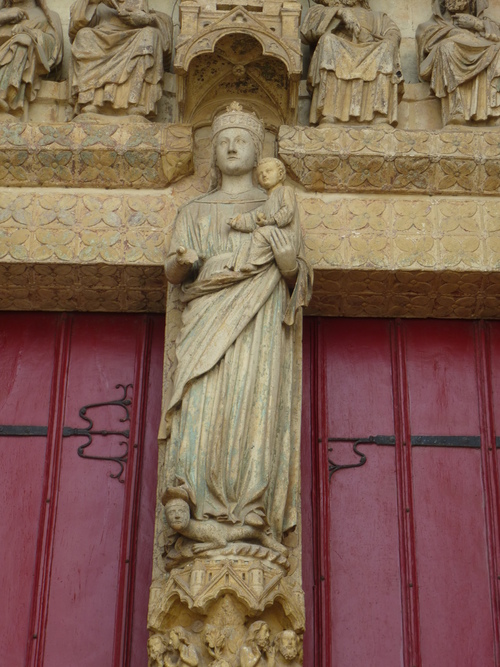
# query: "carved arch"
[201,57]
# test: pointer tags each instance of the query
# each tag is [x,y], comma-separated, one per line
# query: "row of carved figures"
[355,71]
[119,50]
[118,47]
[177,647]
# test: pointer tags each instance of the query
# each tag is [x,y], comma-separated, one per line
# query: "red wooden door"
[76,542]
[406,546]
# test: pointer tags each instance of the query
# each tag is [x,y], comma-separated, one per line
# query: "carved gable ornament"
[246,49]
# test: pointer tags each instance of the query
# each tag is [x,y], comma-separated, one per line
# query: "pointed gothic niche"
[244,49]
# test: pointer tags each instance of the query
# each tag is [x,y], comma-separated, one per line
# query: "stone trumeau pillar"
[227,580]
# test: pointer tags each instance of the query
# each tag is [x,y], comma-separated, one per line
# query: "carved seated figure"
[355,72]
[118,56]
[459,54]
[30,47]
[211,534]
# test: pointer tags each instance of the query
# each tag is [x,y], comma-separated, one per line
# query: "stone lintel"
[378,255]
[94,155]
[382,159]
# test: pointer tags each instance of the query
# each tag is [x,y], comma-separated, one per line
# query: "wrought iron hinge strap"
[42,431]
[124,402]
[461,441]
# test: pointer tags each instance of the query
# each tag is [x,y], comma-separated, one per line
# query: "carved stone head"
[176,636]
[288,644]
[259,633]
[178,514]
[156,649]
[270,172]
[235,151]
[237,139]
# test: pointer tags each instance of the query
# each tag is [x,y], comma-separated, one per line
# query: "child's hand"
[261,219]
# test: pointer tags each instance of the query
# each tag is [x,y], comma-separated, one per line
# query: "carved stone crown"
[234,116]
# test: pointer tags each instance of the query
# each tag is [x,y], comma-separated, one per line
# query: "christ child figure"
[280,210]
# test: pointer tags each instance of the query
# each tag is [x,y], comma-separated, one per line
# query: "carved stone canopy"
[248,50]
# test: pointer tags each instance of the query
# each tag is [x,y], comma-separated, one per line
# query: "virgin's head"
[237,139]
[235,151]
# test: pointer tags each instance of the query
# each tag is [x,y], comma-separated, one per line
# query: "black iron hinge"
[88,432]
[465,441]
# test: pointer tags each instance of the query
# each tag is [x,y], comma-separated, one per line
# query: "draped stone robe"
[351,78]
[462,66]
[22,65]
[114,63]
[234,410]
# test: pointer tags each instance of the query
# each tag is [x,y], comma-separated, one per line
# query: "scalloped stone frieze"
[363,159]
[93,155]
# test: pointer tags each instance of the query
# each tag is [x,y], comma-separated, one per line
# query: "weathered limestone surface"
[374,251]
[398,222]
[449,161]
[31,47]
[118,52]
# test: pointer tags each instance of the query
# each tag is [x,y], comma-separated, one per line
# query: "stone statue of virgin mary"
[233,417]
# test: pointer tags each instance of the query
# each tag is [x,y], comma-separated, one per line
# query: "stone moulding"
[361,159]
[199,584]
[93,155]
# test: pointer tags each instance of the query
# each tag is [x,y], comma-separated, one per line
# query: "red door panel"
[451,542]
[82,606]
[307,487]
[365,595]
[411,538]
[136,632]
[22,463]
[88,558]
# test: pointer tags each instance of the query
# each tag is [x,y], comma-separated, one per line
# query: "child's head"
[270,172]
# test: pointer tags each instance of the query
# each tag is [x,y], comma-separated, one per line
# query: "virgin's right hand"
[186,256]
